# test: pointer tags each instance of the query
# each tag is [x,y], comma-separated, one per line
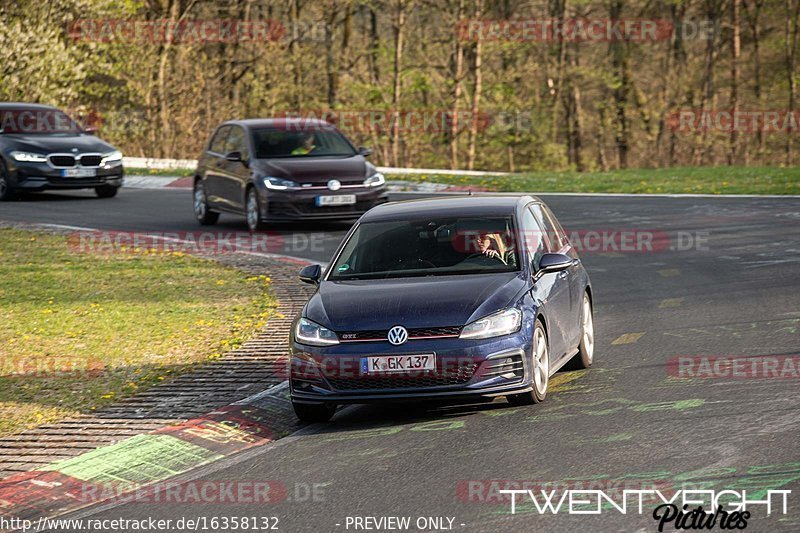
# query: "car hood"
[47,144]
[412,302]
[317,170]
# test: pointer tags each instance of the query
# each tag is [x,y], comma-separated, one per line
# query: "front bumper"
[41,176]
[301,205]
[463,369]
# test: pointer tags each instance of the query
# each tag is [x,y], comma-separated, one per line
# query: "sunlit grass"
[690,180]
[80,330]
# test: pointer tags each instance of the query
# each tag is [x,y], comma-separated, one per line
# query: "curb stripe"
[134,463]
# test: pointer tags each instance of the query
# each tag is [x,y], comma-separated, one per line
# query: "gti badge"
[334,185]
[398,335]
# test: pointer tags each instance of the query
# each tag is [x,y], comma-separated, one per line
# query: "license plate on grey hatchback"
[336,199]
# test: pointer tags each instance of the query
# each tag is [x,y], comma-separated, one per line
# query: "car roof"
[282,123]
[24,105]
[496,205]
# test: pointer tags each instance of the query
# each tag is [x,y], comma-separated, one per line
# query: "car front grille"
[458,376]
[413,333]
[299,209]
[91,160]
[62,160]
[69,161]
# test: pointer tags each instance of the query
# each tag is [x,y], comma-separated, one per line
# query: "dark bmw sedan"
[282,170]
[442,298]
[42,148]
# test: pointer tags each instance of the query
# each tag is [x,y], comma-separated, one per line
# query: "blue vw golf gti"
[442,298]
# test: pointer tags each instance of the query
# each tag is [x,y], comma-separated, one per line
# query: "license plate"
[79,173]
[336,199]
[397,363]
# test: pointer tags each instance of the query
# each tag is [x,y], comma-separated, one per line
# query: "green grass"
[694,180]
[80,330]
[169,172]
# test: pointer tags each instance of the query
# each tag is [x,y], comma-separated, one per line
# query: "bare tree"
[790,51]
[458,74]
[400,14]
[736,44]
[752,10]
[619,60]
[477,74]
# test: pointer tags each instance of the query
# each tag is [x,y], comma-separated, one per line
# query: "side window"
[533,237]
[237,142]
[562,235]
[553,238]
[218,142]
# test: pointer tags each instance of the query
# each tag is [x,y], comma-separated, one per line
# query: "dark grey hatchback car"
[283,170]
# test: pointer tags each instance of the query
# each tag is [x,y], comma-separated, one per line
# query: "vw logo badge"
[398,335]
[334,185]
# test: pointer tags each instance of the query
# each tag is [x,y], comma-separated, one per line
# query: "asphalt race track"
[722,278]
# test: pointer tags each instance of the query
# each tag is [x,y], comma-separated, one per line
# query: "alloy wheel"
[199,201]
[541,361]
[587,327]
[252,210]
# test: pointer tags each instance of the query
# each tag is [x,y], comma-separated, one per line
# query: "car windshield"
[428,247]
[273,142]
[27,120]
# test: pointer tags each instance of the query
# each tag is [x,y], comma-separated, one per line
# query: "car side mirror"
[311,274]
[91,130]
[363,150]
[552,263]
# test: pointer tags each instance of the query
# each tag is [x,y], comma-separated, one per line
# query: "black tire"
[539,372]
[7,192]
[314,412]
[585,356]
[106,191]
[204,215]
[253,211]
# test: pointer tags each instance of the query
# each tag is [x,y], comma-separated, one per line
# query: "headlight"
[112,157]
[375,180]
[278,184]
[29,157]
[308,332]
[501,323]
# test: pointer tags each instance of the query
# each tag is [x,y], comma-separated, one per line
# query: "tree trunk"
[708,96]
[755,28]
[572,111]
[397,87]
[331,63]
[374,46]
[294,43]
[735,52]
[679,56]
[790,47]
[458,67]
[621,90]
[163,99]
[476,94]
[558,12]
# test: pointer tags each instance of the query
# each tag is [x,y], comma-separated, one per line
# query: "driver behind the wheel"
[491,245]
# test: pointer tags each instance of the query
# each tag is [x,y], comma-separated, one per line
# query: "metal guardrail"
[182,164]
